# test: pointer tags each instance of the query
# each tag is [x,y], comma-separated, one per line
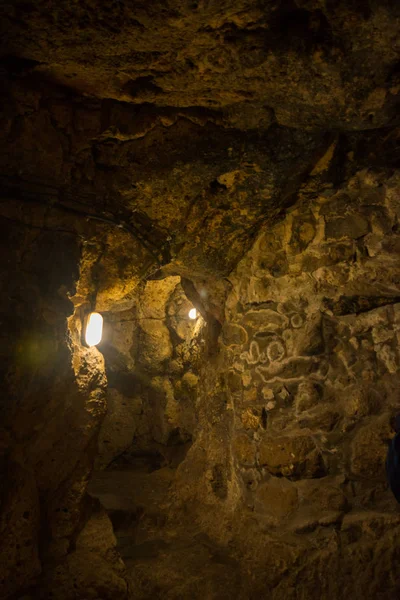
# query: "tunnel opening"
[151,354]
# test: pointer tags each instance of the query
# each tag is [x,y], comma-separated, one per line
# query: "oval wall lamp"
[93,329]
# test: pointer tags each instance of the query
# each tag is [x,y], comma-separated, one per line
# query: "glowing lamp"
[94,329]
[192,313]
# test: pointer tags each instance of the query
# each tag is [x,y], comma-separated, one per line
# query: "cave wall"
[34,353]
[152,354]
[44,473]
[306,361]
[53,403]
[282,487]
[251,151]
[293,443]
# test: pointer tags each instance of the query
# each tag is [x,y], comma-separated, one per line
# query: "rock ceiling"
[304,64]
[196,122]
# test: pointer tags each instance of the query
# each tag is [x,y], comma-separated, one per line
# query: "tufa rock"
[295,456]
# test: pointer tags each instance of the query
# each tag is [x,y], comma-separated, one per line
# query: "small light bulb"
[94,329]
[192,313]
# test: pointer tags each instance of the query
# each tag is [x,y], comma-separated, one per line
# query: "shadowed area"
[220,181]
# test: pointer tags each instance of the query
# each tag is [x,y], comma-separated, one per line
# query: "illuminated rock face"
[152,358]
[284,458]
[299,401]
[313,384]
[241,160]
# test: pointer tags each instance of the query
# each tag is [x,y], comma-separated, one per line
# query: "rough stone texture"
[116,180]
[306,63]
[151,356]
[243,160]
[52,404]
[245,450]
[368,450]
[294,456]
[19,528]
[319,353]
[301,389]
[276,497]
[93,569]
[118,427]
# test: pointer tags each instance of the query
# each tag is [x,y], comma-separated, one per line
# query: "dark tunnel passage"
[215,187]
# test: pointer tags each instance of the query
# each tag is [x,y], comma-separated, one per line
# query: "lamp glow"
[192,313]
[94,329]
